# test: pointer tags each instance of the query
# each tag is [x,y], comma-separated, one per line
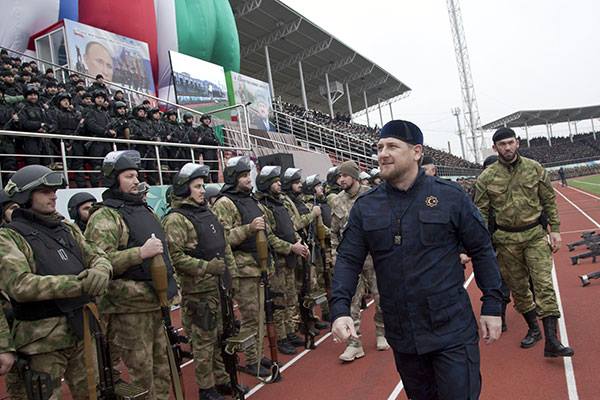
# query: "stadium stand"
[563,150]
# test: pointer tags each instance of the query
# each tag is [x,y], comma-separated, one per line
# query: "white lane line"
[295,359]
[562,326]
[398,389]
[584,192]
[579,209]
[586,183]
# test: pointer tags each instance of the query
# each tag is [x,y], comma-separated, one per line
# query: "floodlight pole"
[329,94]
[302,87]
[380,114]
[269,73]
[527,135]
[549,132]
[366,107]
[349,101]
[593,129]
[456,113]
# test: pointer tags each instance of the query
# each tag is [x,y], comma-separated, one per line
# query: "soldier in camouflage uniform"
[303,216]
[200,256]
[286,256]
[517,190]
[48,297]
[131,235]
[341,205]
[313,195]
[332,188]
[242,216]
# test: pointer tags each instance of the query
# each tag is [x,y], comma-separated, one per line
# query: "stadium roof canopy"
[292,38]
[542,117]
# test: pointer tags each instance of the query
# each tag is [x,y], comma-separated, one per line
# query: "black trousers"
[448,374]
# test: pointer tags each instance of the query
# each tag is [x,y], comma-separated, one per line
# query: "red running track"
[508,371]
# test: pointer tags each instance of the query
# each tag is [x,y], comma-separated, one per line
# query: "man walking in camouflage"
[517,190]
[341,205]
[200,255]
[131,235]
[48,297]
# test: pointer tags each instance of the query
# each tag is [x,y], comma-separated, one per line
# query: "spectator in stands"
[10,87]
[32,118]
[99,85]
[7,143]
[48,77]
[97,123]
[49,94]
[208,138]
[141,129]
[118,96]
[175,134]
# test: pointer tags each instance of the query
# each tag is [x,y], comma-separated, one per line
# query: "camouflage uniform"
[50,344]
[129,305]
[197,289]
[340,208]
[283,280]
[6,344]
[517,194]
[247,284]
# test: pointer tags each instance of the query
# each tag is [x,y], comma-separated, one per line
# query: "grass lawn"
[588,183]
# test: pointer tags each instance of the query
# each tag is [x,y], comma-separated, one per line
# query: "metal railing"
[158,158]
[340,146]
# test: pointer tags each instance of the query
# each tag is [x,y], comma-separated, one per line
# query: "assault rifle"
[230,343]
[587,238]
[158,270]
[262,248]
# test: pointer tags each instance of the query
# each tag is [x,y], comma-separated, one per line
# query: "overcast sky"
[525,54]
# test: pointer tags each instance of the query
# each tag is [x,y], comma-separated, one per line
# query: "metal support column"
[593,129]
[302,87]
[391,111]
[329,95]
[456,113]
[366,108]
[549,132]
[269,73]
[380,114]
[527,135]
[349,101]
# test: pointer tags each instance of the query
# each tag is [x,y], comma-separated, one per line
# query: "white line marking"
[586,183]
[562,326]
[579,209]
[295,359]
[584,192]
[398,389]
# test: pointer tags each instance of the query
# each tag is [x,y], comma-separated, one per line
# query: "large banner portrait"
[243,90]
[199,85]
[117,58]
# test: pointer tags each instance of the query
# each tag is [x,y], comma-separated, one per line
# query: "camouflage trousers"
[68,363]
[203,315]
[320,272]
[520,262]
[246,296]
[366,281]
[284,281]
[139,341]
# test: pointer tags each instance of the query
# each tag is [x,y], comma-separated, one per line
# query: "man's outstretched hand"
[343,329]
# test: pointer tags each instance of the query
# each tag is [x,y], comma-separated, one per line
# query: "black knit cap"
[503,133]
[403,130]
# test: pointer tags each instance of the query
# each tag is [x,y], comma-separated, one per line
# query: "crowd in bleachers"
[583,146]
[573,172]
[342,123]
[35,101]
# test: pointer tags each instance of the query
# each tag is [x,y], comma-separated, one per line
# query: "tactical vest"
[284,227]
[55,252]
[248,209]
[325,213]
[142,223]
[209,231]
[300,206]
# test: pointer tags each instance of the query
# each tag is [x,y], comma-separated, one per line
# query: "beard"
[508,157]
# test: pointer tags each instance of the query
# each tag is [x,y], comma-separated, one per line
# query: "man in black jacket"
[207,137]
[96,124]
[32,118]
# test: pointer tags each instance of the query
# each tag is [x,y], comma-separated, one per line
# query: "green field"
[588,183]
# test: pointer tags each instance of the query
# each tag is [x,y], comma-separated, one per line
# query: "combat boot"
[209,394]
[553,347]
[295,340]
[226,390]
[284,347]
[352,353]
[253,369]
[534,334]
[382,343]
